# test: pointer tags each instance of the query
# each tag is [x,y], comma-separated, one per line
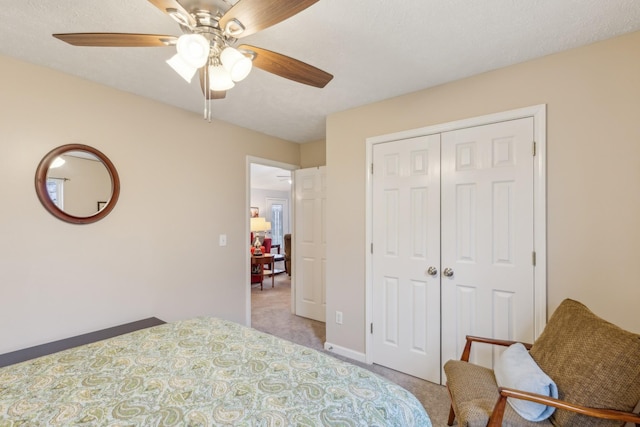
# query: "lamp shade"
[259,224]
[238,65]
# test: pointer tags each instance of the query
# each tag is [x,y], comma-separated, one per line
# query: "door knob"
[432,271]
[447,272]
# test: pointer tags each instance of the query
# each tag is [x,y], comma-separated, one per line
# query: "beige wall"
[156,254]
[593,175]
[313,154]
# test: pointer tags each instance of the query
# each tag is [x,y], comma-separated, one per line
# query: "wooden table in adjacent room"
[277,256]
[261,260]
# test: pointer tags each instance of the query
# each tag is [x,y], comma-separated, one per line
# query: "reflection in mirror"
[54,188]
[77,183]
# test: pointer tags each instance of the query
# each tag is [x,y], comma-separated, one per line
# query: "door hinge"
[371,168]
[372,328]
[534,148]
[533,258]
[371,248]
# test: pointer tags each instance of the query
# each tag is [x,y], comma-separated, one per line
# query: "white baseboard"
[342,351]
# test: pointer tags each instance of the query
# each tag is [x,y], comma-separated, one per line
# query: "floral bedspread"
[200,372]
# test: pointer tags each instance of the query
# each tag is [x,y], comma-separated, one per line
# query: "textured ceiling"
[270,178]
[376,49]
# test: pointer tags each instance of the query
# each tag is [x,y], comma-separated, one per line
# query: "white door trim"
[539,114]
[247,237]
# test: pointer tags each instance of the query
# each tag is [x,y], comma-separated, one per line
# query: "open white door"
[309,243]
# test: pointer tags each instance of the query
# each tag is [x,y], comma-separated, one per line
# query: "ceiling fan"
[211,29]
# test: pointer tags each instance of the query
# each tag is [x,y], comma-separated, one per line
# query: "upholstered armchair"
[594,364]
[287,253]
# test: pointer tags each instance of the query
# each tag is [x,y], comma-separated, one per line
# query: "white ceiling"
[376,49]
[265,177]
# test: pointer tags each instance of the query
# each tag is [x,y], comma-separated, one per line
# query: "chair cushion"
[593,362]
[474,393]
[515,368]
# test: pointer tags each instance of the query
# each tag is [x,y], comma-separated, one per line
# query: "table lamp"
[259,225]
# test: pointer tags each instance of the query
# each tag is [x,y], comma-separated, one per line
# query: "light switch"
[222,240]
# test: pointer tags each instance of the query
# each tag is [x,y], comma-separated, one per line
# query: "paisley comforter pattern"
[200,372]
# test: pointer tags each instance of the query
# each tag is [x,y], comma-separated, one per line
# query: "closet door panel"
[487,236]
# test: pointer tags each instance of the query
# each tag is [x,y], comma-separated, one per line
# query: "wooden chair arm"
[470,338]
[609,414]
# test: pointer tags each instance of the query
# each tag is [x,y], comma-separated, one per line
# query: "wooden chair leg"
[452,416]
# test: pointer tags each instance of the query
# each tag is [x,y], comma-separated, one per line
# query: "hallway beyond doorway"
[271,313]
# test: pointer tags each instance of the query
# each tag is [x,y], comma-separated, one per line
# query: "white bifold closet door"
[487,237]
[453,244]
[406,243]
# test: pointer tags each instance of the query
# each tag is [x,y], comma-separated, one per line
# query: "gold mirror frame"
[43,195]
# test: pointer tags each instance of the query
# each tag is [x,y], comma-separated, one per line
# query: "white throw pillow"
[516,369]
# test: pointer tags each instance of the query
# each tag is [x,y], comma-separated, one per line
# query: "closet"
[453,242]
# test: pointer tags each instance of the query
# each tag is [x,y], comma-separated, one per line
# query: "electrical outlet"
[339,317]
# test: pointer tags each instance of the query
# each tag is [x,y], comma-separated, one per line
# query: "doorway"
[269,194]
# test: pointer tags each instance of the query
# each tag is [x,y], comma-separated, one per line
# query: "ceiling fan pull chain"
[209,109]
[207,96]
[206,82]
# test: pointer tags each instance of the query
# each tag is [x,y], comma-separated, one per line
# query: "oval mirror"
[77,183]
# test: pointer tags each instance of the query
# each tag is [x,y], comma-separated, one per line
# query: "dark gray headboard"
[52,347]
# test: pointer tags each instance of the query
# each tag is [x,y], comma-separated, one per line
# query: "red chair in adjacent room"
[267,245]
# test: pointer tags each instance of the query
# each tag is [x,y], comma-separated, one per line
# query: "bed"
[200,372]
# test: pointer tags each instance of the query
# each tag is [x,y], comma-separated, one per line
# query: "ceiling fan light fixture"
[238,65]
[219,78]
[185,70]
[193,49]
[59,161]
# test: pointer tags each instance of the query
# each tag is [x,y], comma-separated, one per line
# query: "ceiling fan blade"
[256,15]
[287,67]
[170,7]
[210,94]
[116,39]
